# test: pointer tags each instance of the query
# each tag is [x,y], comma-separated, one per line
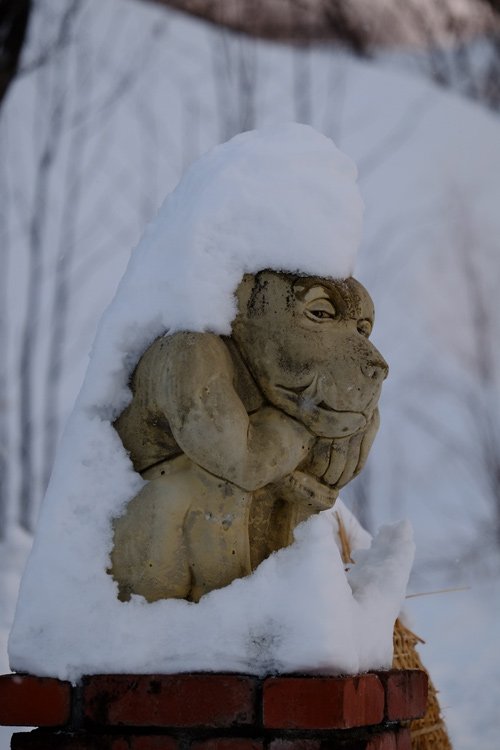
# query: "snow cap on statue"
[282,198]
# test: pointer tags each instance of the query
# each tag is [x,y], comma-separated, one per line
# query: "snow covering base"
[283,198]
[299,611]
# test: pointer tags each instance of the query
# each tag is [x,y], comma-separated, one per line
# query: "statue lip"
[325,407]
[298,394]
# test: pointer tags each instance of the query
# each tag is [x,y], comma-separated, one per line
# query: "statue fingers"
[303,489]
[352,460]
[320,457]
[338,458]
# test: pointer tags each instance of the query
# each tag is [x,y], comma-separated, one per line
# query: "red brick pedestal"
[214,711]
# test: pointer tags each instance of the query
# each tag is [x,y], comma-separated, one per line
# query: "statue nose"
[375,369]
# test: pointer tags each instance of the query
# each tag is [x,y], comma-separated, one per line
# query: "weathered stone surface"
[241,438]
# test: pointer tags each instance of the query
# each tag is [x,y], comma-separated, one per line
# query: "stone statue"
[241,438]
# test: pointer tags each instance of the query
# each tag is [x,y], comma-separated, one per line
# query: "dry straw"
[428,733]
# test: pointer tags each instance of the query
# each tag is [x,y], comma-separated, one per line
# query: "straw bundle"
[428,733]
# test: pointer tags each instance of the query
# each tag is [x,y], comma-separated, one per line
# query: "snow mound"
[298,611]
[283,198]
[14,550]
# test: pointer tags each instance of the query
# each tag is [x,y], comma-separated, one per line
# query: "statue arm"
[210,423]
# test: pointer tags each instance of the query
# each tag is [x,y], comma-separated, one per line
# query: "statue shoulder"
[180,354]
[173,368]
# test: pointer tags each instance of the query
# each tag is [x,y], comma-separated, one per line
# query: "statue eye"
[365,327]
[320,309]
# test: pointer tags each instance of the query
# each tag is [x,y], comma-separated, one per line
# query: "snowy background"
[114,101]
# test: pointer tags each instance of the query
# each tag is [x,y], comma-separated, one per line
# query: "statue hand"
[338,461]
[302,488]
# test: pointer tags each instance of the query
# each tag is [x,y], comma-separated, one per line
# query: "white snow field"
[429,167]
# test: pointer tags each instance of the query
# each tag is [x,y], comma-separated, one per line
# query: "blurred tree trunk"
[67,119]
[14,16]
[4,430]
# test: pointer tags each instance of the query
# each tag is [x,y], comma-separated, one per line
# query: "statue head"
[306,342]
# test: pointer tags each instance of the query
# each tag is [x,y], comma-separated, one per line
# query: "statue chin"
[330,423]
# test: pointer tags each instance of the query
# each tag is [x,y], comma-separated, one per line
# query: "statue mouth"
[304,396]
[326,407]
[331,421]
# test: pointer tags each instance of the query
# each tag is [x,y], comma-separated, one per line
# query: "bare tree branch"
[52,90]
[67,241]
[4,416]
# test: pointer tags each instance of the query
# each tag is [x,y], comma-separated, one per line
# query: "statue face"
[306,342]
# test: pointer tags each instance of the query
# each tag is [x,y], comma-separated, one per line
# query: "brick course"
[214,711]
[405,693]
[228,743]
[322,702]
[209,700]
[27,701]
[398,739]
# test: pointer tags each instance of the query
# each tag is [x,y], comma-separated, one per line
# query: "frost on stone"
[283,198]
